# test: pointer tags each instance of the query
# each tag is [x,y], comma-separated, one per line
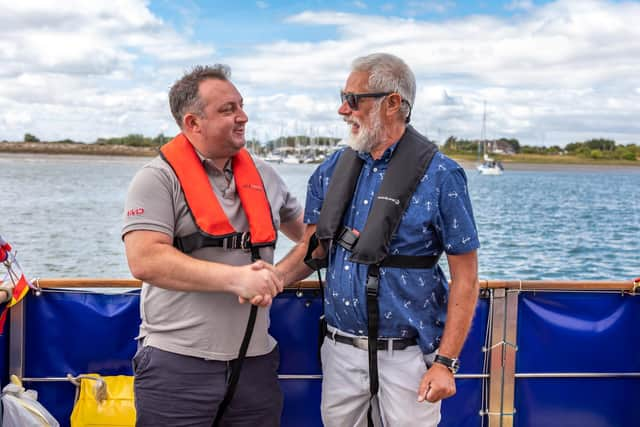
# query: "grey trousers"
[345,387]
[176,390]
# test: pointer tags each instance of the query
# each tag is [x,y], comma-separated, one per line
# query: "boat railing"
[528,337]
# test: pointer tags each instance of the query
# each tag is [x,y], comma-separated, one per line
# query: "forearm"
[463,296]
[164,266]
[292,266]
[460,311]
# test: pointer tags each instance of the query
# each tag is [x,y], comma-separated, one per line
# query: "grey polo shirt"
[209,325]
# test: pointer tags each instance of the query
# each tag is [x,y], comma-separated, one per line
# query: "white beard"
[367,138]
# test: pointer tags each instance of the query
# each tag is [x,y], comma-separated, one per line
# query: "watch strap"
[452,364]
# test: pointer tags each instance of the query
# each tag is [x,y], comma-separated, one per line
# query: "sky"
[546,72]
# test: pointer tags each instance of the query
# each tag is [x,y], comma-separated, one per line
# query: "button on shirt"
[439,218]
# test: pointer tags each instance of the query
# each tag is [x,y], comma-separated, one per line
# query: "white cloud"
[76,66]
[552,74]
[262,4]
[563,71]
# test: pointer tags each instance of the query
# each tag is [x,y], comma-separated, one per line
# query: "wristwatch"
[452,364]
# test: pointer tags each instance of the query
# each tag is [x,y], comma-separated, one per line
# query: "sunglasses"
[352,99]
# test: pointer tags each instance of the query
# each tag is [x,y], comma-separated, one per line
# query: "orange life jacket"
[212,222]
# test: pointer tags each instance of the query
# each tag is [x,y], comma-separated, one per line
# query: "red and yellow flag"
[20,290]
[20,286]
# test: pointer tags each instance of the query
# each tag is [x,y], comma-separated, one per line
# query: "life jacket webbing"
[236,365]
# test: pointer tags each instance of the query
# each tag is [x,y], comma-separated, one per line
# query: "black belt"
[363,342]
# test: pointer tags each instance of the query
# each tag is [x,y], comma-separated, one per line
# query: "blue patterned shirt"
[412,302]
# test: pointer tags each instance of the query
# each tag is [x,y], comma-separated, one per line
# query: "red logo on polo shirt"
[135,212]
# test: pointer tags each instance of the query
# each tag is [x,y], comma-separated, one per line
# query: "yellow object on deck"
[104,402]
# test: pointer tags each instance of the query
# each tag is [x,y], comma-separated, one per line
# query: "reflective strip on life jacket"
[207,213]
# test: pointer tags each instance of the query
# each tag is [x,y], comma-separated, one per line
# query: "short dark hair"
[184,96]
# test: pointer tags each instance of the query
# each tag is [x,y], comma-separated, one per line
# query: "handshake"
[258,283]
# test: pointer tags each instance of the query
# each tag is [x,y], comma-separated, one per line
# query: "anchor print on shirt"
[428,205]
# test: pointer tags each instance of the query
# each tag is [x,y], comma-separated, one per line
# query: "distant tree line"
[133,140]
[598,148]
[139,140]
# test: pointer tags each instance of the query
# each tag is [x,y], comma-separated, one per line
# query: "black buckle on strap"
[238,241]
[373,281]
[347,238]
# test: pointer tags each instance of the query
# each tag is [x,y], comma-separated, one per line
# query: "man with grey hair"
[379,215]
[200,227]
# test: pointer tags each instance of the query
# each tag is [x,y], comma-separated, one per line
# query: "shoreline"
[90,150]
[76,149]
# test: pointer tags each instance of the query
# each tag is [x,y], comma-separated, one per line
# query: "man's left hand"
[437,384]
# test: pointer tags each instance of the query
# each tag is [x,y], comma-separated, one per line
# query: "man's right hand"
[258,283]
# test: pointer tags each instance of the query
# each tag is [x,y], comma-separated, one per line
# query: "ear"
[394,102]
[191,123]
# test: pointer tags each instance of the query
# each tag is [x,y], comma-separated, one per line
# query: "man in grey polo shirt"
[192,304]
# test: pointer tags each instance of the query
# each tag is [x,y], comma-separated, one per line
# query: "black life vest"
[407,166]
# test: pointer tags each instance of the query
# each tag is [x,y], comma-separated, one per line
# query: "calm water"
[63,214]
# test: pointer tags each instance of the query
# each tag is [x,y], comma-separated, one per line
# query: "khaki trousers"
[345,387]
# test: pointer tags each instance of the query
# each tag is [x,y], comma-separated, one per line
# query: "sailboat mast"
[484,128]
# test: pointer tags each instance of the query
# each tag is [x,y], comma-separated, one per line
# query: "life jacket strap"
[373,282]
[315,263]
[236,365]
[197,240]
[410,261]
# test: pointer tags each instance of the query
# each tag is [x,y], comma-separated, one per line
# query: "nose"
[344,109]
[242,116]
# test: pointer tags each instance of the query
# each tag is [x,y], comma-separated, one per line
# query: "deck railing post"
[16,338]
[504,320]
